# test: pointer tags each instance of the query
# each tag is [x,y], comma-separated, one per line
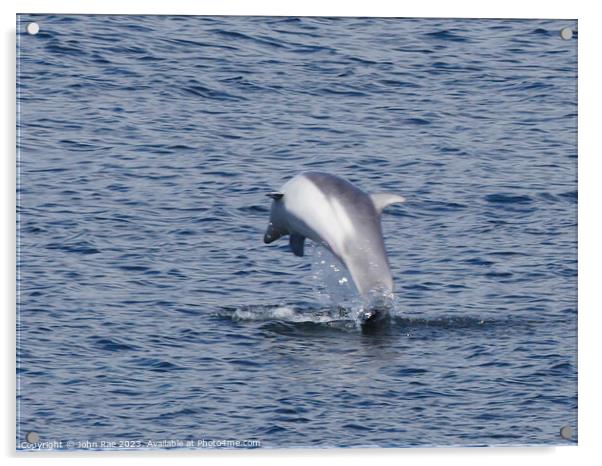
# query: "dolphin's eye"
[275,196]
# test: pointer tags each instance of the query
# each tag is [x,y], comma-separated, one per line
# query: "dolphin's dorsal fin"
[275,196]
[297,242]
[382,200]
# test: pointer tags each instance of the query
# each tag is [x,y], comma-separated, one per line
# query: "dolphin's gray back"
[333,186]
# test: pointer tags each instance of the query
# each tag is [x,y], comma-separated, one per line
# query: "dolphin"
[344,219]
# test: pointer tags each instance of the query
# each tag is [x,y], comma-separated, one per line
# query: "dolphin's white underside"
[317,217]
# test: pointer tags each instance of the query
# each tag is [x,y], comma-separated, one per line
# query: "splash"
[332,316]
[337,301]
[334,287]
[331,282]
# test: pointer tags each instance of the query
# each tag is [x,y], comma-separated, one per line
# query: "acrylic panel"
[415,181]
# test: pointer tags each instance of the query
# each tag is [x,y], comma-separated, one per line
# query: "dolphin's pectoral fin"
[297,242]
[382,200]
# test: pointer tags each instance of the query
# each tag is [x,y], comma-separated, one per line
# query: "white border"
[423,8]
[590,155]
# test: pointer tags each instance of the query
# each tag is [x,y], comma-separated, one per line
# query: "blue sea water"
[149,308]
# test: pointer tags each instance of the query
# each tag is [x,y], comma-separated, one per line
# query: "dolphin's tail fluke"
[376,309]
[373,317]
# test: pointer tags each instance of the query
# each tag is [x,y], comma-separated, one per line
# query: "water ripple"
[151,309]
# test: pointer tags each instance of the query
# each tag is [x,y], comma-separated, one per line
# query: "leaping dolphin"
[336,214]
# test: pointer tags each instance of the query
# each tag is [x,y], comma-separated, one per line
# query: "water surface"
[149,307]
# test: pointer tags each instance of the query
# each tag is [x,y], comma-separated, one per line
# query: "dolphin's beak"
[269,235]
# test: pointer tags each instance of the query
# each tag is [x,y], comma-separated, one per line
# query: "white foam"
[290,314]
